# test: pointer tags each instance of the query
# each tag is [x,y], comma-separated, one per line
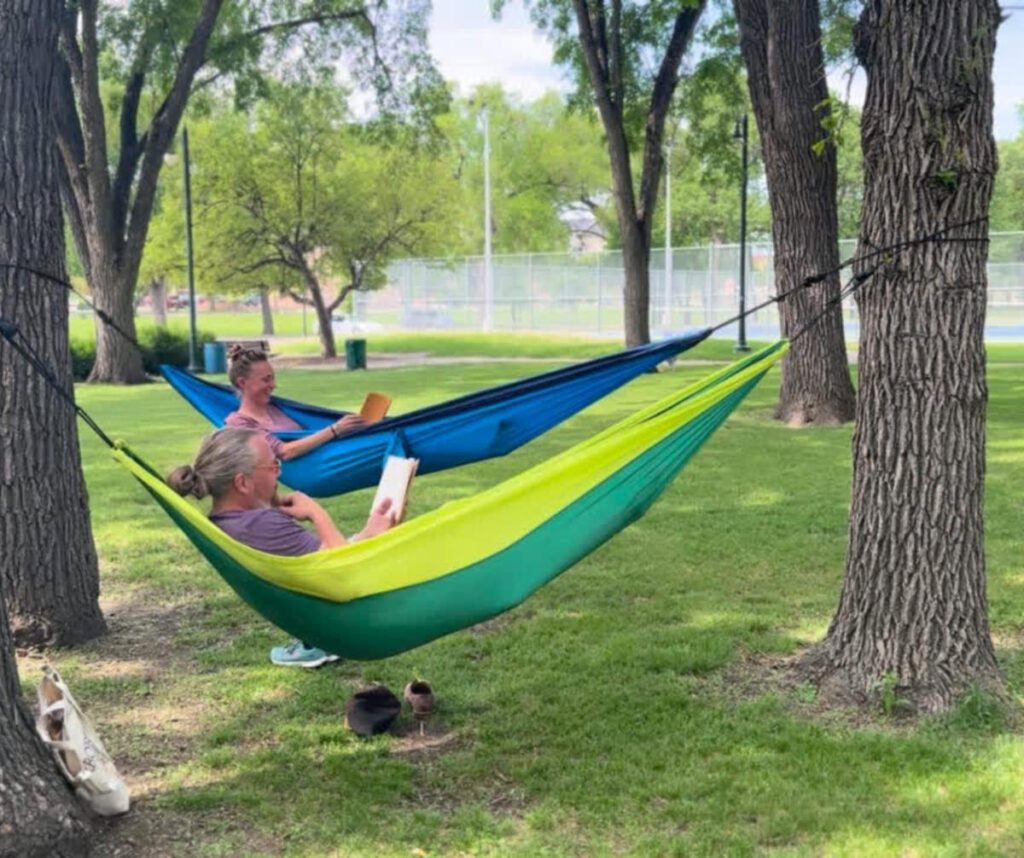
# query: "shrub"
[83,356]
[159,345]
[162,345]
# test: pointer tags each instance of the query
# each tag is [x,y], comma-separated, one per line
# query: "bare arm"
[301,446]
[304,508]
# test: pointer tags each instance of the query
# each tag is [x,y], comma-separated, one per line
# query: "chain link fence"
[582,293]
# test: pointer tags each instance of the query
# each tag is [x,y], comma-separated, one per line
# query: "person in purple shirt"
[237,468]
[251,374]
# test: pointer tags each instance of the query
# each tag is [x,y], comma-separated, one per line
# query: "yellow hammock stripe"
[464,532]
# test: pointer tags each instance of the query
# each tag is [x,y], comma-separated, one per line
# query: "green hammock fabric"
[474,558]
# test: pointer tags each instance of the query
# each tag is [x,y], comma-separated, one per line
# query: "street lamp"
[488,281]
[666,317]
[740,133]
[193,358]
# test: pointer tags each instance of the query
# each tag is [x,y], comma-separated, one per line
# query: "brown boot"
[420,697]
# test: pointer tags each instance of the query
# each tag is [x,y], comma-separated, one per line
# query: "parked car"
[177,301]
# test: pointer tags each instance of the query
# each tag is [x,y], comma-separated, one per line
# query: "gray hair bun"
[186,481]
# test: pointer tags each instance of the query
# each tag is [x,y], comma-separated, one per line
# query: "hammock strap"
[852,285]
[937,236]
[102,314]
[10,332]
[857,279]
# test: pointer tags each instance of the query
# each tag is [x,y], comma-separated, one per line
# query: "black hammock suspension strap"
[857,280]
[808,282]
[102,314]
[901,245]
[10,332]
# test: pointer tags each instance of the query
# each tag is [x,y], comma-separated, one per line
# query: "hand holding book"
[394,486]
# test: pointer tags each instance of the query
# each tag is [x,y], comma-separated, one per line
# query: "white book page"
[394,484]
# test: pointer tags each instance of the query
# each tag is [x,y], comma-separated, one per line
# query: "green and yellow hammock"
[470,559]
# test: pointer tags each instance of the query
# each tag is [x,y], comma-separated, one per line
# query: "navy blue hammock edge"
[481,425]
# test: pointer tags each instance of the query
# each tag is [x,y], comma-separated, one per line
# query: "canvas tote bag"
[80,755]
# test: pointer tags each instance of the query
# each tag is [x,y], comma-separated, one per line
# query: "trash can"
[355,354]
[215,357]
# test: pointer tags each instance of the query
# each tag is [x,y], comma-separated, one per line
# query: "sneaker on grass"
[297,654]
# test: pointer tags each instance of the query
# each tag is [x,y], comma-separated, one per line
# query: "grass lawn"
[555,346]
[631,707]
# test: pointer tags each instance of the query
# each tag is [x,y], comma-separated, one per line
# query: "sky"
[471,48]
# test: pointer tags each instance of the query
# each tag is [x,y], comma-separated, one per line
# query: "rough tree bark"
[913,603]
[39,817]
[47,557]
[110,214]
[781,45]
[601,39]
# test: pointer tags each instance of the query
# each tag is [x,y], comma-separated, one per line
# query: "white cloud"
[472,48]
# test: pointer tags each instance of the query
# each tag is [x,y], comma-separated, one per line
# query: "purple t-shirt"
[279,421]
[267,529]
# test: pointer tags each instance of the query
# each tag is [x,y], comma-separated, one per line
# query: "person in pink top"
[253,377]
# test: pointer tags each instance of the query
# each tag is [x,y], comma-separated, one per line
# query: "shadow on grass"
[598,717]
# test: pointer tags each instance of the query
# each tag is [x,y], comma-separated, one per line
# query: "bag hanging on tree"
[80,755]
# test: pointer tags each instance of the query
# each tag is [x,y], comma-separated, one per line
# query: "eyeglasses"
[275,466]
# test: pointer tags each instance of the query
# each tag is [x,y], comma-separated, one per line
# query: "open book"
[394,483]
[375,406]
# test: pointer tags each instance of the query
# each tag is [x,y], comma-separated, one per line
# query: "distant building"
[586,234]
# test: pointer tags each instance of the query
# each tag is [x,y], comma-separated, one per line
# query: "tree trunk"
[110,201]
[118,360]
[781,44]
[266,312]
[39,817]
[636,262]
[158,298]
[328,349]
[602,45]
[913,605]
[48,561]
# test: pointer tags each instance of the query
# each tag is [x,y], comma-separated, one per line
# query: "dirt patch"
[754,676]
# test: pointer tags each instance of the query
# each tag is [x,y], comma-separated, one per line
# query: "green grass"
[555,346]
[614,713]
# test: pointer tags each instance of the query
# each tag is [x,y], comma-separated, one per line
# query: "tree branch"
[661,98]
[164,124]
[94,135]
[130,150]
[295,23]
[611,115]
[343,293]
[615,74]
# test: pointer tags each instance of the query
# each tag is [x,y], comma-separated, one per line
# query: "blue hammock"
[488,423]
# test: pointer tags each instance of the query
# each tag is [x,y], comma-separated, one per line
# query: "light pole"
[666,316]
[488,282]
[740,133]
[193,359]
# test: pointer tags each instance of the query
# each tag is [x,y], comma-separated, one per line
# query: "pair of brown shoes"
[420,697]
